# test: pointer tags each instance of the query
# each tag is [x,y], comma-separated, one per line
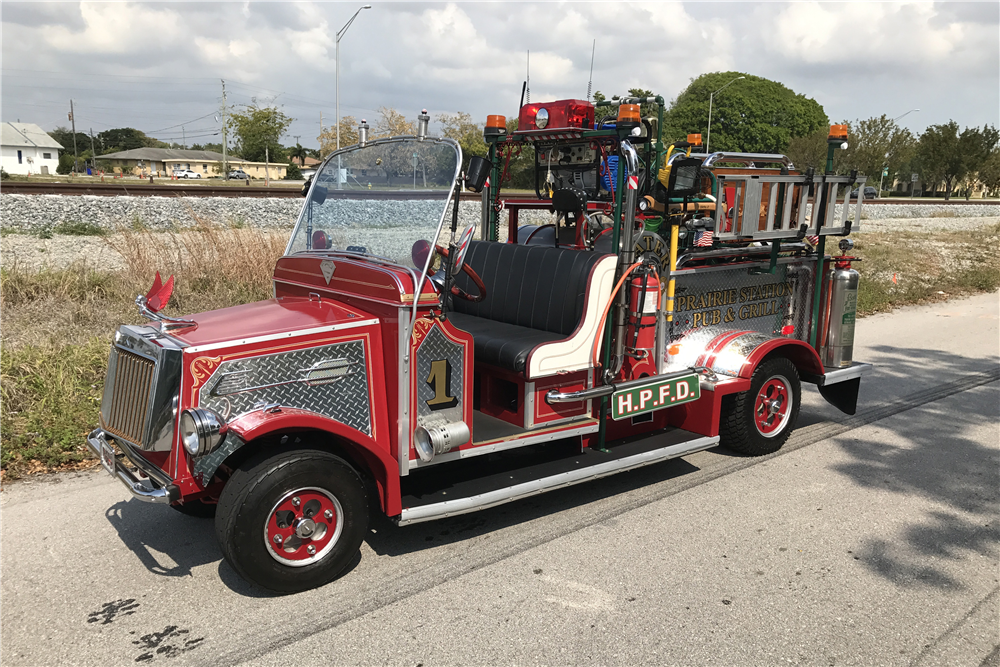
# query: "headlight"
[201,431]
[541,119]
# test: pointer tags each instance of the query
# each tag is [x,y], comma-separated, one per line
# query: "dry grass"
[904,268]
[57,328]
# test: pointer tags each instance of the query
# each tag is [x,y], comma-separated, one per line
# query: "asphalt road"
[869,540]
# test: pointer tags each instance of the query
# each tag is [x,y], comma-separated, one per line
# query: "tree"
[467,133]
[328,137]
[755,115]
[65,137]
[123,139]
[257,130]
[391,123]
[976,147]
[989,172]
[297,152]
[293,173]
[876,144]
[217,148]
[939,157]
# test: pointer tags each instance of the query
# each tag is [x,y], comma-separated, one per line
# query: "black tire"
[270,496]
[196,508]
[751,423]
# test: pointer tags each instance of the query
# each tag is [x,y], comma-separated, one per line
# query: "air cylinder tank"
[843,284]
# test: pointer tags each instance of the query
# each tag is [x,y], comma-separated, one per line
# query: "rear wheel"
[292,521]
[759,421]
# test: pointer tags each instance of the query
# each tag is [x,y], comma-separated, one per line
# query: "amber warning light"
[838,132]
[628,115]
[495,125]
[694,139]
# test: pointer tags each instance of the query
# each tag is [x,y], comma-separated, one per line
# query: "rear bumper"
[837,375]
[156,487]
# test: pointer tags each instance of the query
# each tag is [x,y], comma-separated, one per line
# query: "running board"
[587,465]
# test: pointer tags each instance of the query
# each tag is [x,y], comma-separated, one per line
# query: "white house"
[25,148]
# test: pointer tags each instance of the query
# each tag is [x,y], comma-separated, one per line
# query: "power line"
[212,113]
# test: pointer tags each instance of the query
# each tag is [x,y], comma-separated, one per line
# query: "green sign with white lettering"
[655,396]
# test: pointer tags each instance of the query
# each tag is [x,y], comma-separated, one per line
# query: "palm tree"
[298,153]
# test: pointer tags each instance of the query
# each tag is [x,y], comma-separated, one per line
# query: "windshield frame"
[418,280]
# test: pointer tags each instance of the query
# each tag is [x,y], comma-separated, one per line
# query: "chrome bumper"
[157,488]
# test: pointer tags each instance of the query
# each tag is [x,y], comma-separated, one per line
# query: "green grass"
[75,228]
[51,399]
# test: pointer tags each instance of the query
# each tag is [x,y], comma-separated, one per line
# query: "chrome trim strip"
[608,389]
[535,487]
[509,443]
[403,418]
[835,375]
[166,494]
[287,334]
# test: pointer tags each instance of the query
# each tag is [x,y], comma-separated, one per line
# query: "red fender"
[382,466]
[799,352]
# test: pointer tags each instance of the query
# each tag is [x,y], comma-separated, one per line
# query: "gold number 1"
[440,381]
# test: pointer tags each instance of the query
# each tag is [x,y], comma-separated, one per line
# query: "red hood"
[263,318]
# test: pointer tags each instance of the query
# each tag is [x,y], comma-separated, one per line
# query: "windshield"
[387,199]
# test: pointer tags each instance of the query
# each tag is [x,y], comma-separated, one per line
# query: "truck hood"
[265,318]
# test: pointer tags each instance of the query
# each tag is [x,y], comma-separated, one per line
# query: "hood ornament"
[155,300]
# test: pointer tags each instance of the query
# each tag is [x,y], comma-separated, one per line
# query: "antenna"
[590,82]
[527,74]
[523,87]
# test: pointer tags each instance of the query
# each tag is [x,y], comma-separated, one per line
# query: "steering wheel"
[473,276]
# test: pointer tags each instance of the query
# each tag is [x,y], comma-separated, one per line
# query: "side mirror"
[462,247]
[479,171]
[319,194]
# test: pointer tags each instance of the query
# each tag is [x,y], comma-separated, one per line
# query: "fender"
[799,352]
[258,424]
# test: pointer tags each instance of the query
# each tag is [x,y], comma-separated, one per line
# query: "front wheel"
[292,521]
[759,421]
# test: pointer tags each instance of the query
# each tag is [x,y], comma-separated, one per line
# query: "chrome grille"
[132,386]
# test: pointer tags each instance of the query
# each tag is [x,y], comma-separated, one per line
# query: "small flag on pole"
[704,239]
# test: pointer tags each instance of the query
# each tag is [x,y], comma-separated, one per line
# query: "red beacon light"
[559,115]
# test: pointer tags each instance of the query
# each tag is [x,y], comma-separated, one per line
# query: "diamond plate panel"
[712,303]
[280,378]
[436,347]
[730,359]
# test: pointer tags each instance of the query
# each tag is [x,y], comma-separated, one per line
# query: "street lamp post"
[886,166]
[708,141]
[340,34]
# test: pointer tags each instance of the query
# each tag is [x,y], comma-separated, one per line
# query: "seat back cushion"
[537,287]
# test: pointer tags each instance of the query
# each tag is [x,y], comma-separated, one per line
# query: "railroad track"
[120,188]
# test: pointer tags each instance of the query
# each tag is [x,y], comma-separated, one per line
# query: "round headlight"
[189,433]
[201,431]
[541,119]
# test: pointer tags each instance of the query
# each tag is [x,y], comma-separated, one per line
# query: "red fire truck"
[676,302]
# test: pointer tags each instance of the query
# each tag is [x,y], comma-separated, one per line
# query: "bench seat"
[542,306]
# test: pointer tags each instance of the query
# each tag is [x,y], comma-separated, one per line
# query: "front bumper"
[156,487]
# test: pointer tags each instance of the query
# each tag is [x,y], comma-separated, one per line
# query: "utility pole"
[225,141]
[93,153]
[184,137]
[267,166]
[72,119]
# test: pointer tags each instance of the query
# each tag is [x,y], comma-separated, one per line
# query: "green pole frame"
[615,236]
[820,249]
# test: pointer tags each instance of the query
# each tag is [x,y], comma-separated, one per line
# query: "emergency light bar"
[559,115]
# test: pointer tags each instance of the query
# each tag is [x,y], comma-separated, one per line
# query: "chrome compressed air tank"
[843,284]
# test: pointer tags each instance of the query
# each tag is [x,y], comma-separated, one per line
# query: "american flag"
[704,239]
[813,241]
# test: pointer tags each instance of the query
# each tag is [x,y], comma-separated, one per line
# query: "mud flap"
[842,395]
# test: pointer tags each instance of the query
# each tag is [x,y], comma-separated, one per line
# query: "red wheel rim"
[772,406]
[303,526]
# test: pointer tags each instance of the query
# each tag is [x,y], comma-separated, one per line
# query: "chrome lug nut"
[277,539]
[311,549]
[296,502]
[328,514]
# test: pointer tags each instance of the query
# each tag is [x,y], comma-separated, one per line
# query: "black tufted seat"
[534,295]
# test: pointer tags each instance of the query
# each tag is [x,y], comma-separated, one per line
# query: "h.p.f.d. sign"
[655,396]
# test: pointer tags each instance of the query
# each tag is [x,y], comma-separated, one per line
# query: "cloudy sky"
[157,66]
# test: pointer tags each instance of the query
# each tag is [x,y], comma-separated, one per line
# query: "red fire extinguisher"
[640,342]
